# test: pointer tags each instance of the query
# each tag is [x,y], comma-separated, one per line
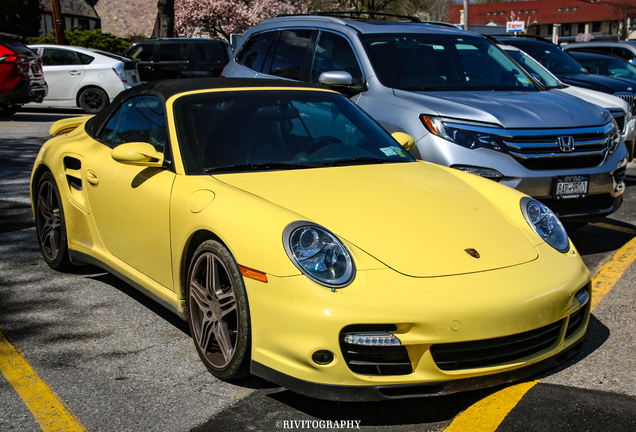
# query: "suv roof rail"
[356,15]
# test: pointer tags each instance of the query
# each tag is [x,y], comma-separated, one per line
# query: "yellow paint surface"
[49,411]
[488,413]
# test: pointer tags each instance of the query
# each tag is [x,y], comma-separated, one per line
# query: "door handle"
[92,178]
[74,73]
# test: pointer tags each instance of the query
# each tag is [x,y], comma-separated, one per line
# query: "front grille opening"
[547,164]
[374,360]
[491,352]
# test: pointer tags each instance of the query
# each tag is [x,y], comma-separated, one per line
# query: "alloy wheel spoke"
[222,334]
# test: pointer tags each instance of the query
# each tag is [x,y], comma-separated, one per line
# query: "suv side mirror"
[340,81]
[138,153]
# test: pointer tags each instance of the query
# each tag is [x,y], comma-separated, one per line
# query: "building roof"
[535,12]
[79,8]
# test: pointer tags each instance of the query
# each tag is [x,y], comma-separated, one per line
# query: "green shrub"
[76,36]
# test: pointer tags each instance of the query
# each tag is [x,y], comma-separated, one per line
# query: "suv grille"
[374,360]
[543,152]
[619,116]
[629,98]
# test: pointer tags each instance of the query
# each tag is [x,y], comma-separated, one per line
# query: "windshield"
[273,130]
[534,68]
[431,62]
[608,66]
[552,58]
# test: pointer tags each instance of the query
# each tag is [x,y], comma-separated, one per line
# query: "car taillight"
[121,73]
[21,62]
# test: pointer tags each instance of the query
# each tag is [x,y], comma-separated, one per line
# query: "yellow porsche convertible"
[306,246]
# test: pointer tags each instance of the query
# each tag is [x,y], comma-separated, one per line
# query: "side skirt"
[82,258]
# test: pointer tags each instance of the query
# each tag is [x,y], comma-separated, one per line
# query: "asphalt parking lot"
[105,358]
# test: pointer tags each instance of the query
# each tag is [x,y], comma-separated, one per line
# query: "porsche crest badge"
[472,252]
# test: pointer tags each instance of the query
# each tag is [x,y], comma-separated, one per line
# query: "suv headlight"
[319,254]
[545,223]
[464,137]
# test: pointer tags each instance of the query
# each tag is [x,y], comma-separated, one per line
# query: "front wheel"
[93,100]
[50,224]
[218,311]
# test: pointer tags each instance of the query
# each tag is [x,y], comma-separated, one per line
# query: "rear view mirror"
[340,81]
[405,140]
[138,153]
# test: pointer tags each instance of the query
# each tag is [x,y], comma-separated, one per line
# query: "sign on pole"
[515,26]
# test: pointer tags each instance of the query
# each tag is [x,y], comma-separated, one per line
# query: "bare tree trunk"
[466,23]
[166,18]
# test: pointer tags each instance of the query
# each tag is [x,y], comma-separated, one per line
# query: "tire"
[219,312]
[50,224]
[8,110]
[93,100]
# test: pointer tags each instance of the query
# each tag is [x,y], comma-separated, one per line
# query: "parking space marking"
[14,124]
[49,410]
[615,227]
[487,414]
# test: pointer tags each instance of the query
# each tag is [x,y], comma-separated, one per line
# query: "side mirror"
[340,81]
[138,153]
[404,139]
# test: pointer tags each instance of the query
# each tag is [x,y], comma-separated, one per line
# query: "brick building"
[76,13]
[125,17]
[562,18]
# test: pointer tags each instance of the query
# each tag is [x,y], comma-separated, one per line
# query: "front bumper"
[293,318]
[606,185]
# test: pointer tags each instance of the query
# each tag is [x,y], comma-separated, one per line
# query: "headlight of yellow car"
[545,223]
[319,254]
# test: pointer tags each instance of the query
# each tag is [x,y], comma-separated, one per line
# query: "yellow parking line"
[487,414]
[14,124]
[615,227]
[47,408]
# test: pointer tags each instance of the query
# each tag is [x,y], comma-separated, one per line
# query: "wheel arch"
[36,176]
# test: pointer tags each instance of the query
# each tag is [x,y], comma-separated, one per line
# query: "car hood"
[598,82]
[601,99]
[416,218]
[511,110]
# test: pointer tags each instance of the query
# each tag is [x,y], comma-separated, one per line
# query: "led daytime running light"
[372,339]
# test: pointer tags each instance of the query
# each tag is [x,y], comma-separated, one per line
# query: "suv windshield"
[552,58]
[428,62]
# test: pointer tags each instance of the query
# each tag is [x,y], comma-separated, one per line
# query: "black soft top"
[168,88]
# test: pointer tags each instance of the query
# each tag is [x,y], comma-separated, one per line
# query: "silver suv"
[464,101]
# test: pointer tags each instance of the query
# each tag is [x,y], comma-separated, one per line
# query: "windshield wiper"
[266,166]
[356,161]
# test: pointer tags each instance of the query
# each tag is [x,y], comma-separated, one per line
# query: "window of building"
[560,9]
[596,27]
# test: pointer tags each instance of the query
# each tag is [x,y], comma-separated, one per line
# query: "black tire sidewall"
[62,260]
[86,108]
[238,367]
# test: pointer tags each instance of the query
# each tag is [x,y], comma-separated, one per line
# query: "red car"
[21,76]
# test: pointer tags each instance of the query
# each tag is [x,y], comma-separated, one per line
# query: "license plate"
[570,187]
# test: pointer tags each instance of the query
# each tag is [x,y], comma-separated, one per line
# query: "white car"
[618,107]
[82,77]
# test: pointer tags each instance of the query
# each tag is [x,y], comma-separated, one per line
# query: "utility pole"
[58,25]
[465,14]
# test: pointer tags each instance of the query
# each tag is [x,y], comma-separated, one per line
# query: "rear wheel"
[218,311]
[8,110]
[50,224]
[93,100]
